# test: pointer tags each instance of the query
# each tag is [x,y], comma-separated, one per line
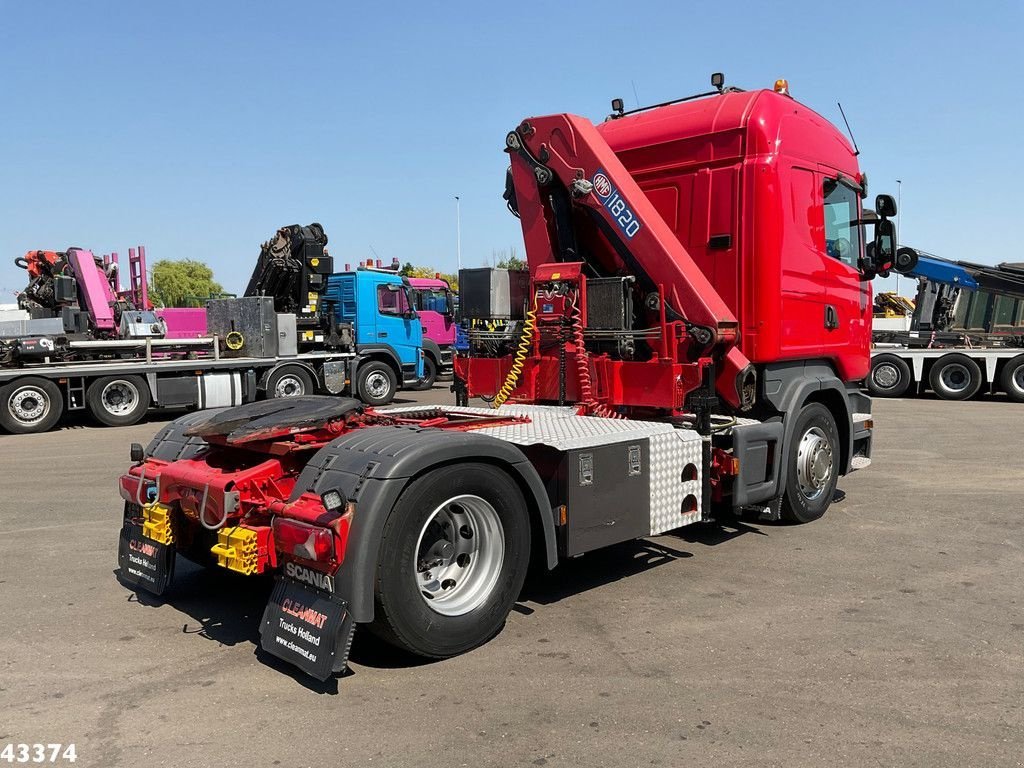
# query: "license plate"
[144,563]
[306,627]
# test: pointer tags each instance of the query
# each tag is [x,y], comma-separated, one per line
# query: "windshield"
[432,300]
[842,232]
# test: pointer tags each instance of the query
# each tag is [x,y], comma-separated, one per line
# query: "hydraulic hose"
[520,357]
[588,405]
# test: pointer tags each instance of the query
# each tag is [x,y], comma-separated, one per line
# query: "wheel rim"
[377,384]
[1018,379]
[289,385]
[886,375]
[119,398]
[955,377]
[29,405]
[814,463]
[459,555]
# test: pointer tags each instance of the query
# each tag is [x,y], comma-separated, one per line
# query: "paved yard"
[889,633]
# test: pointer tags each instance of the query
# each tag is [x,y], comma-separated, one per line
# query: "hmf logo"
[622,214]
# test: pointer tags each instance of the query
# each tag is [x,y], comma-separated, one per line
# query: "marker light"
[782,87]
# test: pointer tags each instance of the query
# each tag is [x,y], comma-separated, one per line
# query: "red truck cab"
[764,194]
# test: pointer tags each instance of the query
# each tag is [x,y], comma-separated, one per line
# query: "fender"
[371,467]
[431,347]
[788,386]
[368,350]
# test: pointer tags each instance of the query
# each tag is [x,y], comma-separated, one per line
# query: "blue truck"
[388,335]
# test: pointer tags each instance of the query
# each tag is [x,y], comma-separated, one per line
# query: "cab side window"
[842,232]
[391,302]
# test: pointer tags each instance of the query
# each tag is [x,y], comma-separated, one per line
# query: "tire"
[29,405]
[290,381]
[429,374]
[1011,380]
[376,383]
[472,598]
[955,377]
[889,376]
[118,401]
[812,465]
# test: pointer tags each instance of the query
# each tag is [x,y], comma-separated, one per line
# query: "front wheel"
[453,558]
[429,374]
[813,465]
[31,404]
[118,401]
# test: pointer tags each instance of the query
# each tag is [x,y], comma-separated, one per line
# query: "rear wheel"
[376,383]
[452,561]
[118,401]
[955,377]
[31,404]
[1012,379]
[889,376]
[289,382]
[813,468]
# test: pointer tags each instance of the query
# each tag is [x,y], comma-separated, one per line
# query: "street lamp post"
[458,232]
[899,211]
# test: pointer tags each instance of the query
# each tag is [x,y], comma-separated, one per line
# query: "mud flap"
[144,563]
[308,628]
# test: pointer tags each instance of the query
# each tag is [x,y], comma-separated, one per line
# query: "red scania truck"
[686,343]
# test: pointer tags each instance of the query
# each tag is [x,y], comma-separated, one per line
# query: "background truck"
[80,342]
[696,313]
[962,334]
[435,305]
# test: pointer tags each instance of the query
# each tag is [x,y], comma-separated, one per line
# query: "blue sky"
[197,129]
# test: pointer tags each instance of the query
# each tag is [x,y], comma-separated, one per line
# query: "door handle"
[382,334]
[831,318]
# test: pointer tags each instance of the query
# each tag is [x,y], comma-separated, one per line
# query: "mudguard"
[372,466]
[788,386]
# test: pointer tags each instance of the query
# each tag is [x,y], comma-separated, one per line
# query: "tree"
[508,259]
[177,283]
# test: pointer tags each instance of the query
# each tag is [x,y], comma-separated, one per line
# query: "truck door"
[848,298]
[399,327]
[804,268]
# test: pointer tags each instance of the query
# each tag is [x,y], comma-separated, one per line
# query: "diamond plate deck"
[675,453]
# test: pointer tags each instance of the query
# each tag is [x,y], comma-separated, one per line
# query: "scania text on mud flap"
[663,364]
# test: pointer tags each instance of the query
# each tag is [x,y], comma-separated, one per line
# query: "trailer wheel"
[1012,379]
[118,401]
[376,383]
[429,374]
[290,381]
[31,404]
[453,558]
[889,376]
[813,469]
[955,377]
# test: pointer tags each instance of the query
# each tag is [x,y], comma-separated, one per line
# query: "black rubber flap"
[144,563]
[306,627]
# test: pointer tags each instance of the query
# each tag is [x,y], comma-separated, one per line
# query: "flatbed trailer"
[952,373]
[175,373]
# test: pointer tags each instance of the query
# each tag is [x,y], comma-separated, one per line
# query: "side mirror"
[410,314]
[882,251]
[885,206]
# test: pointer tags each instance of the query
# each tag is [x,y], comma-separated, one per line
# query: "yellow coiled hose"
[520,357]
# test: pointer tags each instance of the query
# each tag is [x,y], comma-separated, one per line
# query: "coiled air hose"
[588,405]
[520,357]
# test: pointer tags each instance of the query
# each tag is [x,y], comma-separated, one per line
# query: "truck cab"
[388,332]
[434,303]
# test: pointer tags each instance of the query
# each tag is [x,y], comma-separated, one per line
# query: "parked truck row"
[962,334]
[688,342]
[80,342]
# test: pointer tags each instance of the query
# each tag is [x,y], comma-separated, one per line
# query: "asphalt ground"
[888,633]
